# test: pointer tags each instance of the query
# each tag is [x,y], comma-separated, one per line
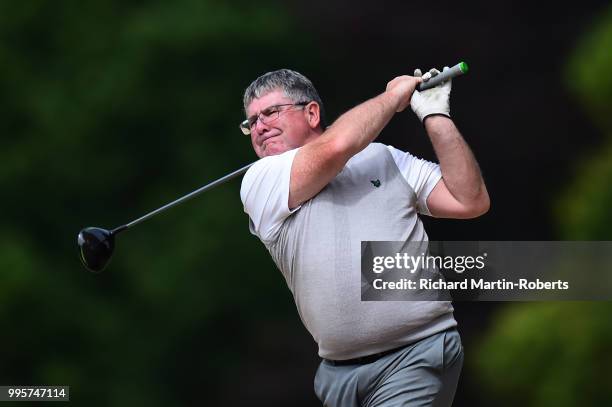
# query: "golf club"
[96,245]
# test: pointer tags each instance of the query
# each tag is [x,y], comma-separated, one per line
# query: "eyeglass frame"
[245,127]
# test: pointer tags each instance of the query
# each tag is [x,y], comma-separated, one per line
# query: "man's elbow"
[340,149]
[479,207]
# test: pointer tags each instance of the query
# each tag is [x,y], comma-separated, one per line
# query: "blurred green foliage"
[587,73]
[584,210]
[559,354]
[109,110]
[547,354]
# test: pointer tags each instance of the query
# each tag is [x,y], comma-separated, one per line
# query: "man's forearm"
[460,170]
[355,129]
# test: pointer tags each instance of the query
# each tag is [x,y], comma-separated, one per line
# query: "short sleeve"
[265,194]
[421,175]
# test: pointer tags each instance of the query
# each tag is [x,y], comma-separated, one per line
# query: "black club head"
[95,248]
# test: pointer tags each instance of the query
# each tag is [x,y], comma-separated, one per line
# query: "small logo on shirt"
[375,182]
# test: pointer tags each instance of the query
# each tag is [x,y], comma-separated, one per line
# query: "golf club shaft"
[183,199]
[450,73]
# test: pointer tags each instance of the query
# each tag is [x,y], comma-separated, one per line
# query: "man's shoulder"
[271,162]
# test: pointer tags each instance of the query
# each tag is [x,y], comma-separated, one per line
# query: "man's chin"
[273,149]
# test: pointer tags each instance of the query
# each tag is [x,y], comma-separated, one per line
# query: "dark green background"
[110,109]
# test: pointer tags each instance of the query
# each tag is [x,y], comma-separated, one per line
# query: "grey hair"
[294,85]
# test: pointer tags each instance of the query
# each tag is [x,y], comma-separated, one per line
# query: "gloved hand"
[431,101]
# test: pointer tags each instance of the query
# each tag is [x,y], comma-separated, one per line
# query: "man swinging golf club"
[317,192]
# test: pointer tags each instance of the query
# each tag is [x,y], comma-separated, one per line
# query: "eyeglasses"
[266,116]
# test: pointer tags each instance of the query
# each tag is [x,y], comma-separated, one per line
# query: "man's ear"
[313,114]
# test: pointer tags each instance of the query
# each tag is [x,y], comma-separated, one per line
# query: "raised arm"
[461,193]
[319,161]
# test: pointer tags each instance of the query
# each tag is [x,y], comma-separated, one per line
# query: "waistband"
[364,360]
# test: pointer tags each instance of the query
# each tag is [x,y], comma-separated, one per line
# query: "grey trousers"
[424,373]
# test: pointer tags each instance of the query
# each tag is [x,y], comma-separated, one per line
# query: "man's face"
[290,130]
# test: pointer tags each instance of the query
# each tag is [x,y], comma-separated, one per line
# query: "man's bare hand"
[402,89]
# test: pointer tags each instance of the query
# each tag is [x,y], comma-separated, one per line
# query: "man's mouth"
[268,140]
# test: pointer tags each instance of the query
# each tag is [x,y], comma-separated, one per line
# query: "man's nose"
[260,126]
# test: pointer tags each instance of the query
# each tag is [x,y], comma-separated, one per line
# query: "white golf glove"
[431,101]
